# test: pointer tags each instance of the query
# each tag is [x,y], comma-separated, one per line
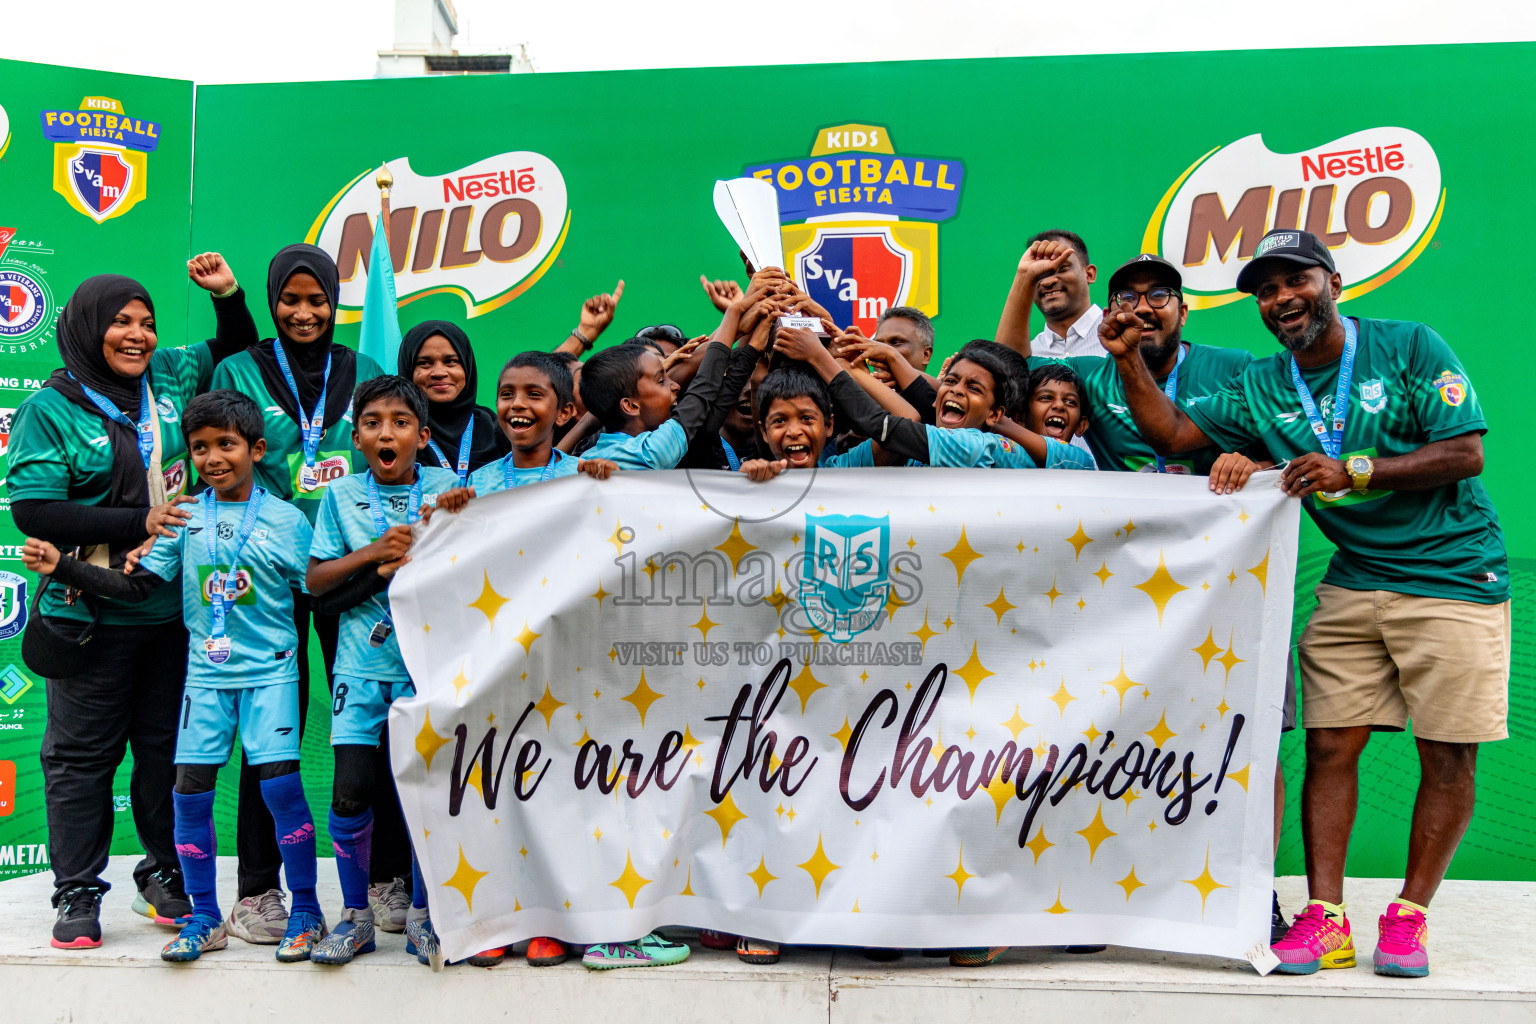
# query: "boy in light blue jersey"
[238,560]
[534,395]
[362,536]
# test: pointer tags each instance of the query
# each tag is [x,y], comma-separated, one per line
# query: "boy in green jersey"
[1384,435]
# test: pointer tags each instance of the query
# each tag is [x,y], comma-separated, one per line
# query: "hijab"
[307,361]
[82,330]
[448,420]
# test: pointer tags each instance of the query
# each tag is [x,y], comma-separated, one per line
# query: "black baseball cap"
[1288,244]
[1167,272]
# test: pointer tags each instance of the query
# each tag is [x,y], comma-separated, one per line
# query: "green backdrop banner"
[900,183]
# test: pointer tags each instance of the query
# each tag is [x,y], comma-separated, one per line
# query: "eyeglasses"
[1157,297]
[663,332]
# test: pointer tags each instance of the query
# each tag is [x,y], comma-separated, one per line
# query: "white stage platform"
[1483,949]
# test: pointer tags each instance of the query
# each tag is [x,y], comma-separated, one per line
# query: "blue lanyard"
[109,409]
[1332,443]
[222,589]
[376,506]
[1170,389]
[507,470]
[730,455]
[312,428]
[463,467]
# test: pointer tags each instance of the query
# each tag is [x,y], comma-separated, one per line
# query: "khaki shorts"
[1378,658]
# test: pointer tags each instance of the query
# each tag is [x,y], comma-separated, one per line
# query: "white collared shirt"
[1082,338]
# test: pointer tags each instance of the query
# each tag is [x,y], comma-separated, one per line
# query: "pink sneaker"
[1318,938]
[1400,951]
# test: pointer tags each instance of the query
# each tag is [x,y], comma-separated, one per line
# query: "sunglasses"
[663,332]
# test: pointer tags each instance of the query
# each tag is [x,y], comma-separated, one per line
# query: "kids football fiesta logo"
[861,231]
[100,156]
[486,232]
[1373,197]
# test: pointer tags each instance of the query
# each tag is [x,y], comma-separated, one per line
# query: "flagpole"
[385,181]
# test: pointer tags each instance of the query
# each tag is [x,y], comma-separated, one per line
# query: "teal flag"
[380,337]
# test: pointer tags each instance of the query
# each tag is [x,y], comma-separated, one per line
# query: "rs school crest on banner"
[100,156]
[861,223]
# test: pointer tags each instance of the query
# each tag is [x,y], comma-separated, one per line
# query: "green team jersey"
[278,471]
[59,452]
[1112,433]
[1408,389]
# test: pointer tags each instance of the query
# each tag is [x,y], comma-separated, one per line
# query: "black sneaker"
[1277,923]
[1080,950]
[79,922]
[163,899]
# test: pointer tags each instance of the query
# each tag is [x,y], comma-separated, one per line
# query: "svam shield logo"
[856,273]
[845,587]
[15,303]
[100,179]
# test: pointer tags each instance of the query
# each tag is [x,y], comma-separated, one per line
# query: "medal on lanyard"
[383,629]
[223,587]
[730,455]
[510,480]
[1331,441]
[145,425]
[463,467]
[311,428]
[1170,389]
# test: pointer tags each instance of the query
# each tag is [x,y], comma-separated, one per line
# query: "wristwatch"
[1360,468]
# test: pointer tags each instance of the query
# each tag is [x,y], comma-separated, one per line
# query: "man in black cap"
[1384,435]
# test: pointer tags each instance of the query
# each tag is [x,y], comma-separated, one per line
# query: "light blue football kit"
[503,476]
[967,448]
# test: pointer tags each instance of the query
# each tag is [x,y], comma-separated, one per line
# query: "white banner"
[866,707]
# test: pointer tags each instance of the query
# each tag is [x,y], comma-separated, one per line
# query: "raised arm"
[596,314]
[1039,261]
[1166,429]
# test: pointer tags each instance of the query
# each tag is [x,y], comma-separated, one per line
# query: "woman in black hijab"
[437,355]
[320,377]
[67,487]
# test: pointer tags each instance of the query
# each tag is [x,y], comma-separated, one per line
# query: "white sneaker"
[260,920]
[389,902]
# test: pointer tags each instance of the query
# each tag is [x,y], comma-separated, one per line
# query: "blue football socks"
[352,839]
[284,797]
[197,848]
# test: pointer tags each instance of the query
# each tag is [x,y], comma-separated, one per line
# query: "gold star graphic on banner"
[1015,724]
[843,735]
[1130,796]
[973,672]
[428,742]
[1231,577]
[489,602]
[892,602]
[650,568]
[805,684]
[819,866]
[642,697]
[705,624]
[1001,791]
[630,882]
[1208,649]
[1229,659]
[1130,883]
[960,876]
[726,815]
[586,738]
[547,706]
[1092,733]
[620,536]
[1260,572]
[735,547]
[1121,684]
[1129,527]
[1079,540]
[1000,606]
[1204,883]
[1058,907]
[923,633]
[599,594]
[761,875]
[1160,732]
[464,879]
[1053,593]
[688,883]
[778,599]
[961,556]
[1161,587]
[1039,844]
[1240,776]
[1096,832]
[459,682]
[1040,750]
[1103,574]
[689,740]
[1223,708]
[597,835]
[1061,698]
[526,637]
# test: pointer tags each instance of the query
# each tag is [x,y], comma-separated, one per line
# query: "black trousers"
[256,836]
[128,698]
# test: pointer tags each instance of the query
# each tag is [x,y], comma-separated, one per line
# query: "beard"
[1320,316]
[1160,354]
